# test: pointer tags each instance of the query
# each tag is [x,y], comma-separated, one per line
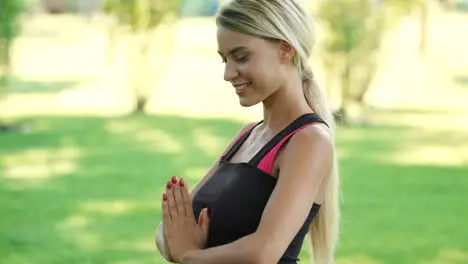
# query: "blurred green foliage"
[199,7]
[10,11]
[141,17]
[140,14]
[351,47]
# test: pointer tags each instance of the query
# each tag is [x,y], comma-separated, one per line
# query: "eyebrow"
[234,50]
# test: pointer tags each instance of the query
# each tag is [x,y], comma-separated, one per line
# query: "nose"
[230,72]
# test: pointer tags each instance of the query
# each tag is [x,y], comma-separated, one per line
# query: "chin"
[247,103]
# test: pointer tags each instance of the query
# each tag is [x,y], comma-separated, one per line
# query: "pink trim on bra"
[266,163]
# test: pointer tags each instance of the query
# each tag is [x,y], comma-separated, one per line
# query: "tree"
[351,48]
[140,18]
[10,11]
[354,29]
[409,6]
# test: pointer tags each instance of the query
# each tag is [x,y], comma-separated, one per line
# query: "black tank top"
[237,194]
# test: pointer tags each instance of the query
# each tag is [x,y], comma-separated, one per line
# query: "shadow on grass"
[87,190]
[18,85]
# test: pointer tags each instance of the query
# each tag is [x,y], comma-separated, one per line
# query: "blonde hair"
[287,20]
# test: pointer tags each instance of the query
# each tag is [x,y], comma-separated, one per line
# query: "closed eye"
[242,59]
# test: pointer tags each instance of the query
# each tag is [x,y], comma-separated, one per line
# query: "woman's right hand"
[161,241]
[183,233]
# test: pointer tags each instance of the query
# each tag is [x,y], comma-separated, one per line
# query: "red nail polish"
[164,197]
[169,185]
[181,183]
[174,179]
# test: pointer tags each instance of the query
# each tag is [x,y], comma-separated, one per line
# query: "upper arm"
[214,167]
[307,161]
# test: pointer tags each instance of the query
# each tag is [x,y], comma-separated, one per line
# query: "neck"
[284,106]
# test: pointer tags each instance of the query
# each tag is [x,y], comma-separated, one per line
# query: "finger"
[186,199]
[179,201]
[171,202]
[206,221]
[167,221]
[200,218]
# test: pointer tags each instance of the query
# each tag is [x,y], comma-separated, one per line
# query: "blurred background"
[102,101]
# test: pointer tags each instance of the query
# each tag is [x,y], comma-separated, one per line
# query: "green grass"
[87,190]
[20,86]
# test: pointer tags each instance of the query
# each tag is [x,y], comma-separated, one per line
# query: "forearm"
[241,251]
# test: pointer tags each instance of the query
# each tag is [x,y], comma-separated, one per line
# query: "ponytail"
[289,21]
[324,229]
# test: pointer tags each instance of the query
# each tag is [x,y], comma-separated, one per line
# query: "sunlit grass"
[40,163]
[399,206]
[431,154]
[357,259]
[449,256]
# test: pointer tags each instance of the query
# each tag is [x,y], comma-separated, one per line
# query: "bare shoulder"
[313,143]
[317,136]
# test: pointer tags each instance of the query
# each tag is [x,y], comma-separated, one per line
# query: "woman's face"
[252,65]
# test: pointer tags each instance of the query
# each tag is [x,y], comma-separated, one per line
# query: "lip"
[241,84]
[241,91]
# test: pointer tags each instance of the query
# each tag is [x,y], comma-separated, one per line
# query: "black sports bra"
[237,194]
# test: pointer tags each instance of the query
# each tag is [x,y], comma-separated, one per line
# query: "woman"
[277,181]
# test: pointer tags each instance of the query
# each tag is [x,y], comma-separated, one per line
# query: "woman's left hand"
[182,231]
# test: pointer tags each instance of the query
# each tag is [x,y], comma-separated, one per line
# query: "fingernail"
[169,185]
[164,197]
[174,179]
[181,183]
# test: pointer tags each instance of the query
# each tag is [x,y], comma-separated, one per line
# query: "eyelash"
[242,59]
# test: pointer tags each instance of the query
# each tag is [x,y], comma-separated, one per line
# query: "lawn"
[77,188]
[87,189]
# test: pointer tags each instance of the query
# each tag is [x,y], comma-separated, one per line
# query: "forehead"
[229,39]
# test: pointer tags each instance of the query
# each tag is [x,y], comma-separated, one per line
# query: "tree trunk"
[140,105]
[140,84]
[342,113]
[55,6]
[365,84]
[423,27]
[5,66]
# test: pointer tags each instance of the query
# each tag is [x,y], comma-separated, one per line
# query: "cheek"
[259,72]
[268,77]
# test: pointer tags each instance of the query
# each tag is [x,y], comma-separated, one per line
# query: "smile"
[241,88]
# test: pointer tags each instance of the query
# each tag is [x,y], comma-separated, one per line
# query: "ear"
[286,51]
